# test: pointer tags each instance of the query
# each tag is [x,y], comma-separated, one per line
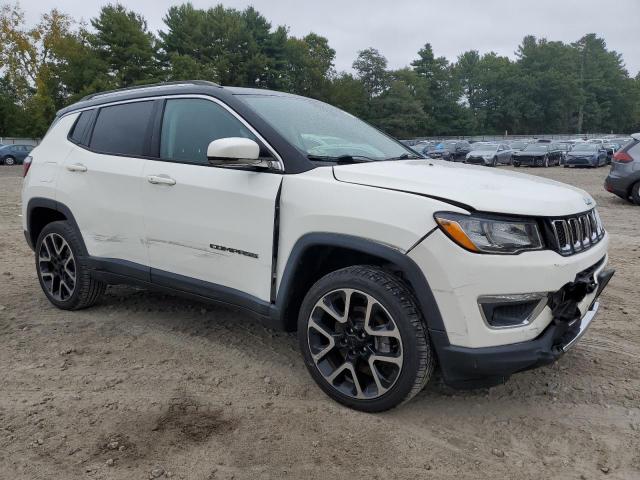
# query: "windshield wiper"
[405,156]
[341,159]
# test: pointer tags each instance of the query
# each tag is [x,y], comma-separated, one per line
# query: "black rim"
[57,267]
[355,343]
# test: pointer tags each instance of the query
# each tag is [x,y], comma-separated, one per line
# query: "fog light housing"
[509,311]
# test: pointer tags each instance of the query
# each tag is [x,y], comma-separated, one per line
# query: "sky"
[399,28]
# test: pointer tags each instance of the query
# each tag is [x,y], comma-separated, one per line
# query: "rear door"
[101,178]
[207,226]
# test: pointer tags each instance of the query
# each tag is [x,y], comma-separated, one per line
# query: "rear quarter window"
[79,130]
[122,129]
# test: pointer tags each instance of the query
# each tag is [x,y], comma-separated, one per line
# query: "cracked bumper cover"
[464,367]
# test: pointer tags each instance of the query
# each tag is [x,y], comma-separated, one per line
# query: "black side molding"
[411,272]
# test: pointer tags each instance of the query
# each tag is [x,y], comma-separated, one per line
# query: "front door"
[207,225]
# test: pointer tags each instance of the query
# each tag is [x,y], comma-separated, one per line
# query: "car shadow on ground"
[217,326]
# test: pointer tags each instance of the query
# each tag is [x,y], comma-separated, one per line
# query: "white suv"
[386,263]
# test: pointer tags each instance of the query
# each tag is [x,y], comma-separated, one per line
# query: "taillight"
[26,165]
[622,157]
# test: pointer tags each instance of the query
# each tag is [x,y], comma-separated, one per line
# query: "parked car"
[586,155]
[14,154]
[611,148]
[538,155]
[423,147]
[518,145]
[564,147]
[452,150]
[624,176]
[384,263]
[622,141]
[490,154]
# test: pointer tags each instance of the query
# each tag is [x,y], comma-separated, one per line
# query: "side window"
[122,129]
[79,130]
[190,124]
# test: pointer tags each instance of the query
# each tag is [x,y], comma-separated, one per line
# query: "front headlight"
[487,234]
[487,157]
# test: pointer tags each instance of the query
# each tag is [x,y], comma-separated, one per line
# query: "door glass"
[122,129]
[190,124]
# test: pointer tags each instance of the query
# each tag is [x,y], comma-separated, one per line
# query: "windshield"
[324,132]
[536,147]
[484,147]
[584,147]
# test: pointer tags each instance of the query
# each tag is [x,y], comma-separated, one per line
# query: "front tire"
[9,161]
[363,339]
[516,163]
[63,273]
[635,193]
[545,162]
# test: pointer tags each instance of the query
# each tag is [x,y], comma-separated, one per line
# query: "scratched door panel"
[213,224]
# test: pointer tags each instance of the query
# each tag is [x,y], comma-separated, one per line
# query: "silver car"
[490,154]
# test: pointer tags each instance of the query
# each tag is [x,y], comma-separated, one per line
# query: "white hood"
[482,188]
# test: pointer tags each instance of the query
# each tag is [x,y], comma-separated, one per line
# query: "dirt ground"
[145,385]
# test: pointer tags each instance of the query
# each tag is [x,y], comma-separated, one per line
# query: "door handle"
[76,167]
[161,180]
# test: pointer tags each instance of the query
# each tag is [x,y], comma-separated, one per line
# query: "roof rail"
[150,85]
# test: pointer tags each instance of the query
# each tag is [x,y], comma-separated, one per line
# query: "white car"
[386,264]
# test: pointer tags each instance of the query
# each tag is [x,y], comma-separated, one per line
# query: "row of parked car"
[533,152]
[14,154]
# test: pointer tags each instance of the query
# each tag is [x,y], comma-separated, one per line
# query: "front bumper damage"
[464,367]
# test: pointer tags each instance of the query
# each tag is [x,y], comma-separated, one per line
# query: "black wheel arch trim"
[412,274]
[41,202]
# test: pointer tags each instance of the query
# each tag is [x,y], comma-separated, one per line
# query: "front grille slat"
[577,233]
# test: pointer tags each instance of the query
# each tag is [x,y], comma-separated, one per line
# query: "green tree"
[123,42]
[397,110]
[371,69]
[442,98]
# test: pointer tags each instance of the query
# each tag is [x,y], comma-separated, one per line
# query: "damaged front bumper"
[464,367]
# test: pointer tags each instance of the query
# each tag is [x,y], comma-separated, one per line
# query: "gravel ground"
[145,385]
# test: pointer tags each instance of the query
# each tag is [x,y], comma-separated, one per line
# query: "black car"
[624,177]
[586,155]
[538,155]
[452,150]
[14,154]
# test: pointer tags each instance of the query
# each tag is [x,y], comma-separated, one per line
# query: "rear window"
[122,129]
[79,130]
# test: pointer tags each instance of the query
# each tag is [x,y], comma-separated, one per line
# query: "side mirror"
[234,152]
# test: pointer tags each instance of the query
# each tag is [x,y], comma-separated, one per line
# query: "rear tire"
[635,193]
[516,163]
[352,315]
[63,272]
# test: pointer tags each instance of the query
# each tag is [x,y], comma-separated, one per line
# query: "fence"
[19,141]
[501,138]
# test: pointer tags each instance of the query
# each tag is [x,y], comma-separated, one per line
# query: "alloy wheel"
[9,161]
[57,267]
[355,343]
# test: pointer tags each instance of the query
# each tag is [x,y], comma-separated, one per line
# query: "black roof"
[197,87]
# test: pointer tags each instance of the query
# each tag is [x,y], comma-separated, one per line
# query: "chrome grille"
[577,233]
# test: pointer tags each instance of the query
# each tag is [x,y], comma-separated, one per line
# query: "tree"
[30,58]
[371,69]
[397,111]
[124,44]
[442,98]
